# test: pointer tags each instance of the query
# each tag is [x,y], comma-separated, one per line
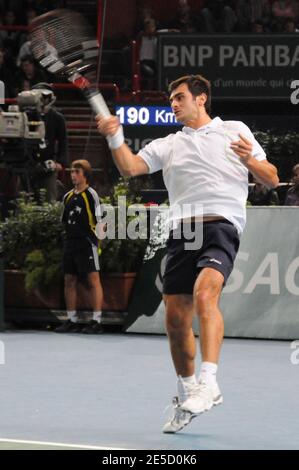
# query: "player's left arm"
[262,170]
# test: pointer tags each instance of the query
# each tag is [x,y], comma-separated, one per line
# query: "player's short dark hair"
[197,85]
[85,166]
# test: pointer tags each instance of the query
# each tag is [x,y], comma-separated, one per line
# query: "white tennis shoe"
[179,418]
[201,397]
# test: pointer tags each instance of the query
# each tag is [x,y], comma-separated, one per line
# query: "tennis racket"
[63,43]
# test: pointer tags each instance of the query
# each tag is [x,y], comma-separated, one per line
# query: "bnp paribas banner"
[238,66]
[261,298]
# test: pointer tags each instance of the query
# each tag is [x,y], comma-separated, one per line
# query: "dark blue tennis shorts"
[219,247]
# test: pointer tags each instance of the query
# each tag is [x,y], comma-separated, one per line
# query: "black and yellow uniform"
[81,213]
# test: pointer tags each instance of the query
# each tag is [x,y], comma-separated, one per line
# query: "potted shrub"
[121,259]
[32,242]
[33,245]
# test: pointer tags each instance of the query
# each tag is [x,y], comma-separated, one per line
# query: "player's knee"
[206,296]
[203,296]
[70,281]
[93,281]
[176,321]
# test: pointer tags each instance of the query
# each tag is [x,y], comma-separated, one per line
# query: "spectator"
[260,195]
[253,12]
[29,74]
[6,76]
[218,16]
[292,197]
[184,19]
[148,49]
[282,10]
[9,38]
[290,26]
[25,51]
[257,27]
[55,148]
[285,9]
[144,14]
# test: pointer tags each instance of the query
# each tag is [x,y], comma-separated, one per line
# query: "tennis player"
[206,163]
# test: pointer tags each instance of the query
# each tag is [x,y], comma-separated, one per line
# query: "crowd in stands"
[214,17]
[260,195]
[228,16]
[18,70]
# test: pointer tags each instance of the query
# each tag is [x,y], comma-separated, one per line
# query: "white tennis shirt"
[200,168]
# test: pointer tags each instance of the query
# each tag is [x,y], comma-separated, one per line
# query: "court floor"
[110,392]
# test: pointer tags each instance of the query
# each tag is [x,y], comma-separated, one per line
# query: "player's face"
[77,176]
[183,104]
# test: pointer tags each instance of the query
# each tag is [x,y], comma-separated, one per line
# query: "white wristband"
[115,141]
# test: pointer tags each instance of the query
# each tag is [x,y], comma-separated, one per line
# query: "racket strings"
[64,43]
[65,33]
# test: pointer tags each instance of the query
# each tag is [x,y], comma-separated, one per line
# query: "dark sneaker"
[93,328]
[69,327]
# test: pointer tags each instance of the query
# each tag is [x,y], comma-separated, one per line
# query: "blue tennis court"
[111,391]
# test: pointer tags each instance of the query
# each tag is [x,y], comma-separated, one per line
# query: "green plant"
[123,254]
[32,241]
[282,150]
[39,272]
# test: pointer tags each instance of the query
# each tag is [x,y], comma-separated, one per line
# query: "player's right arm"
[128,164]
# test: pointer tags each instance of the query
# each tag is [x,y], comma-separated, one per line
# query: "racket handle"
[99,105]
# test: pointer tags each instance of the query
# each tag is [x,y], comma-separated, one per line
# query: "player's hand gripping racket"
[62,41]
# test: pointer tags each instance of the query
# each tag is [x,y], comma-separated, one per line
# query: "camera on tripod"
[22,130]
